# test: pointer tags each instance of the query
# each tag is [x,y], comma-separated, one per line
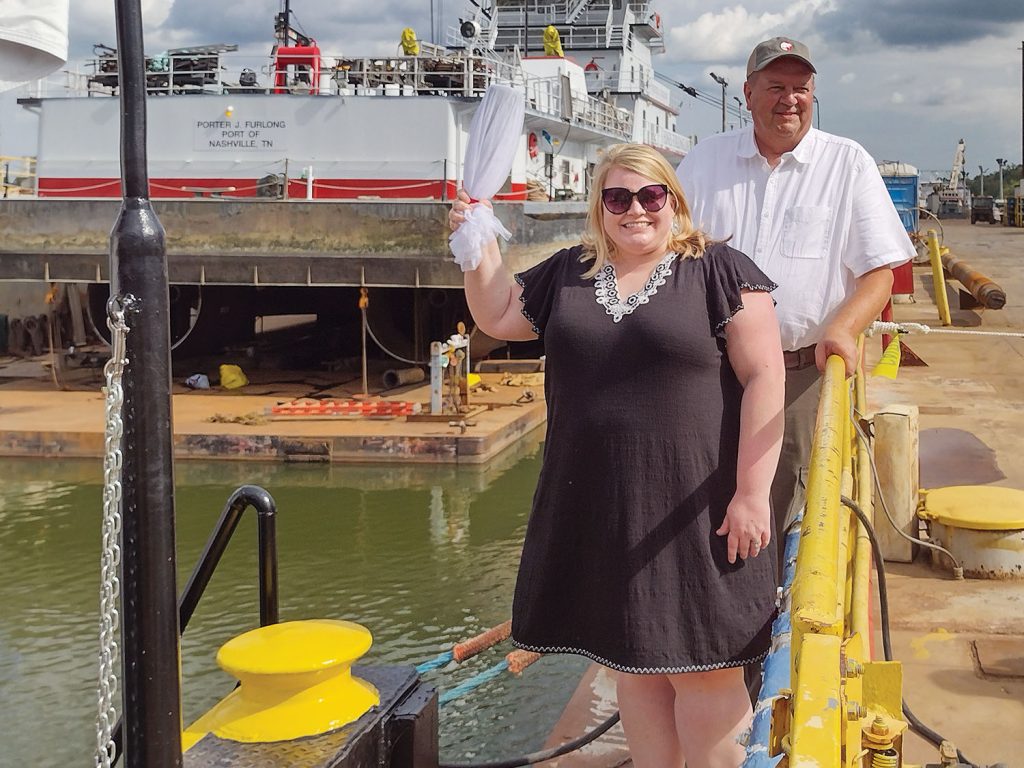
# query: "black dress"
[621,561]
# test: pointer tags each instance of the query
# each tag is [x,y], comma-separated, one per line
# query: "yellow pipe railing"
[859,602]
[815,603]
[836,689]
[938,278]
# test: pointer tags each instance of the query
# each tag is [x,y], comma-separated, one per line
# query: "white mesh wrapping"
[494,137]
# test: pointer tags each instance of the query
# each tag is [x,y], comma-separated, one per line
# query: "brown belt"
[799,358]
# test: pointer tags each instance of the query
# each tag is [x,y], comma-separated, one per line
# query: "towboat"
[291,181]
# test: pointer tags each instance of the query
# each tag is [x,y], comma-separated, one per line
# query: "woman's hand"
[748,525]
[460,207]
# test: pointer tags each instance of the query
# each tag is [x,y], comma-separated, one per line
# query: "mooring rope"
[515,662]
[467,649]
[892,328]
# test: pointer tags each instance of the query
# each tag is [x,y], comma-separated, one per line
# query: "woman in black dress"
[664,386]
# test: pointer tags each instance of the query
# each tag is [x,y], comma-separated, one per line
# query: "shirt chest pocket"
[805,231]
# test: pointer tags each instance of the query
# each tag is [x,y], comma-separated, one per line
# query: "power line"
[701,96]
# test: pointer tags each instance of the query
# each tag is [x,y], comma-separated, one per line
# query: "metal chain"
[110,559]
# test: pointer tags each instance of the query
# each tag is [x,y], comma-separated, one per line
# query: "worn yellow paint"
[816,581]
[883,687]
[978,507]
[852,692]
[860,593]
[919,645]
[836,688]
[817,711]
[295,681]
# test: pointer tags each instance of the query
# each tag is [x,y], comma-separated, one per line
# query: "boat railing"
[588,32]
[266,511]
[18,176]
[457,73]
[663,138]
[839,699]
[552,96]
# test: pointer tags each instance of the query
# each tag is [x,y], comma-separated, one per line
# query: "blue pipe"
[776,666]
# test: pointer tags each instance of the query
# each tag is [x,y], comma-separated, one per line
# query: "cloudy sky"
[906,78]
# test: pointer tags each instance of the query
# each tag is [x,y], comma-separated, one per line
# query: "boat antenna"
[282,27]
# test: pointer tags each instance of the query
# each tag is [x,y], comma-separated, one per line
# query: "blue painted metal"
[903,191]
[776,667]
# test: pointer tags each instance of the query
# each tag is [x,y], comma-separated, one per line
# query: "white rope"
[890,328]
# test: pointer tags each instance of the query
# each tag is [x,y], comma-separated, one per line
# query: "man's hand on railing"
[837,341]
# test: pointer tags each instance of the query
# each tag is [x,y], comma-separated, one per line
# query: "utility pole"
[721,81]
[739,109]
[981,175]
[817,112]
[1001,161]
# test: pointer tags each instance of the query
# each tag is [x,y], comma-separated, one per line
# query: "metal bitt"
[985,290]
[138,270]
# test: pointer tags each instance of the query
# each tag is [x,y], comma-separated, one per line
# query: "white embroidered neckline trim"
[606,288]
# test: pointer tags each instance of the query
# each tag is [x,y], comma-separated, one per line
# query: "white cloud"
[849,77]
[733,31]
[897,98]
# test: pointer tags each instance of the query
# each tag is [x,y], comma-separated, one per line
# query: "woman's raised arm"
[492,294]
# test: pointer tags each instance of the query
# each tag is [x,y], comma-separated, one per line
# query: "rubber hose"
[883,606]
[545,754]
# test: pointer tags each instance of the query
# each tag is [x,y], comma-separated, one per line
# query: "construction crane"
[951,197]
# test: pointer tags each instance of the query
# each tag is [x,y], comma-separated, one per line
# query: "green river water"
[422,556]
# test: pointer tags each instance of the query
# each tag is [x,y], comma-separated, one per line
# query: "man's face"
[780,99]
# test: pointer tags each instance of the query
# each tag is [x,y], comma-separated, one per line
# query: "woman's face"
[637,232]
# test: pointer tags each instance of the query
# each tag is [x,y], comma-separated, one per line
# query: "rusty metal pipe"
[988,293]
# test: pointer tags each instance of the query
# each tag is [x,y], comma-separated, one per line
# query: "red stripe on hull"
[323,189]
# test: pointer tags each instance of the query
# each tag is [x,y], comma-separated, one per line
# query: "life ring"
[531,145]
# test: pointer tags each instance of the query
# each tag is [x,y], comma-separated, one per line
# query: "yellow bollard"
[295,681]
[938,280]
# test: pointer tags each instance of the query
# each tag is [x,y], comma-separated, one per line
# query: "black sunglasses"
[618,200]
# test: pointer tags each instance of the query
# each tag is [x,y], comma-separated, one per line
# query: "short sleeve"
[877,237]
[541,284]
[727,273]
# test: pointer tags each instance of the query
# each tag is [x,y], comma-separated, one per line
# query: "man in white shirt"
[813,213]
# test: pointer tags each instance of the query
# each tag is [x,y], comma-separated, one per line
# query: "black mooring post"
[138,275]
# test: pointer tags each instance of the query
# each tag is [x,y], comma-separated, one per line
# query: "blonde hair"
[685,239]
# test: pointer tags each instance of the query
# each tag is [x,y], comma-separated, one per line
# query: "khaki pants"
[802,390]
[788,488]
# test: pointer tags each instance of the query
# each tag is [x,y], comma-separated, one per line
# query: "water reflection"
[423,556]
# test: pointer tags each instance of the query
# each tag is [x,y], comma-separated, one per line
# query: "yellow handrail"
[938,278]
[838,692]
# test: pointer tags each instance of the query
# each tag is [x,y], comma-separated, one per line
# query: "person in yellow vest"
[552,42]
[410,45]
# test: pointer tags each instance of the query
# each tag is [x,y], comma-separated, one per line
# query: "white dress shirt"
[817,221]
